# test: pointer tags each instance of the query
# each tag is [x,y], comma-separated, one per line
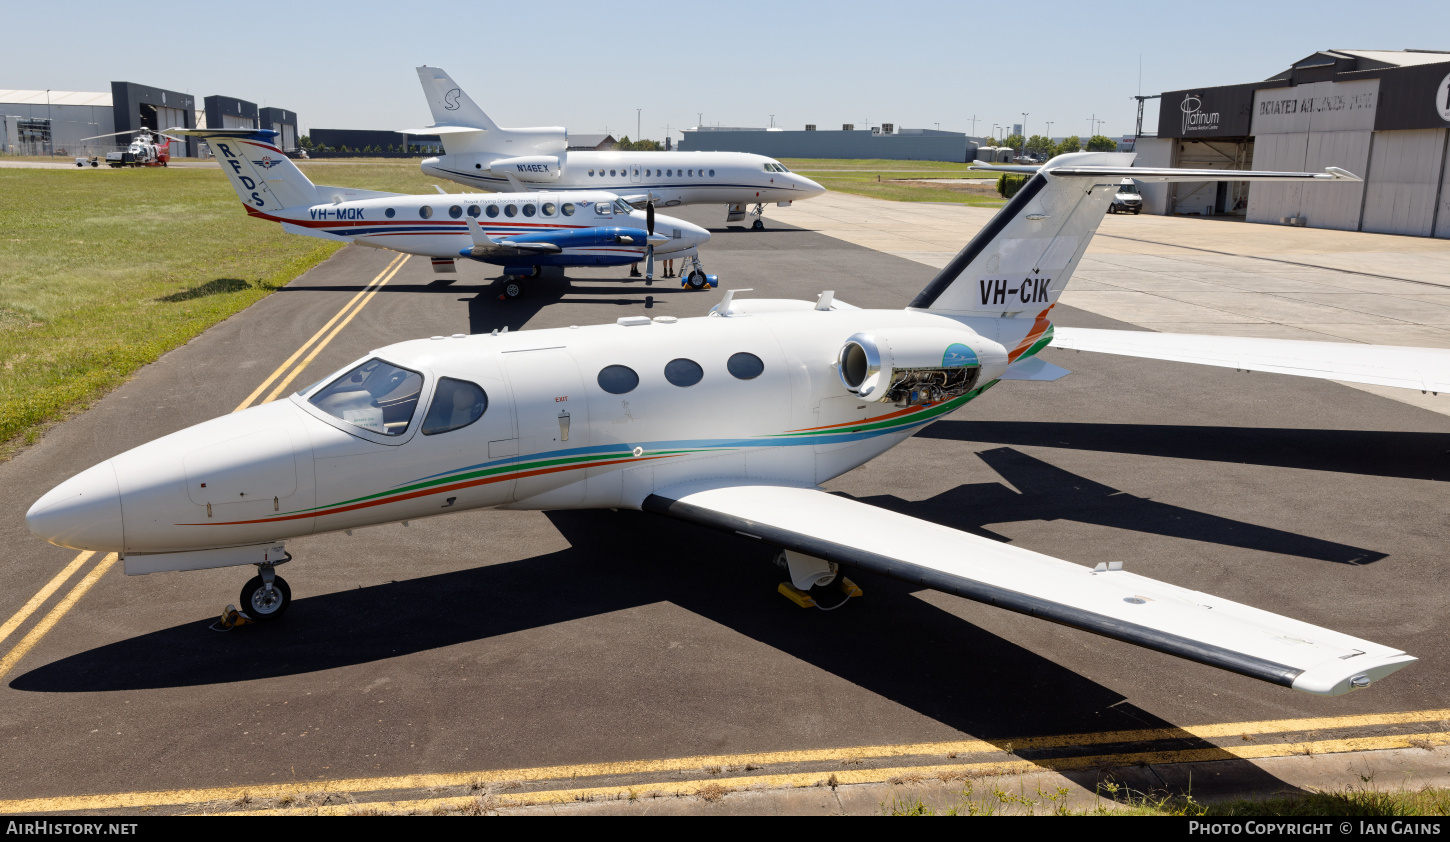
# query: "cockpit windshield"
[774,167]
[375,396]
[621,206]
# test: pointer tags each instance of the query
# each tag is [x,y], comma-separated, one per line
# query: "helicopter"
[145,149]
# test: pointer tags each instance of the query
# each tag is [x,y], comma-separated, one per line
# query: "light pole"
[636,122]
[1024,133]
[772,121]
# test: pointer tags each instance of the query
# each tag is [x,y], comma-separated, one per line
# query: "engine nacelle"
[527,168]
[918,365]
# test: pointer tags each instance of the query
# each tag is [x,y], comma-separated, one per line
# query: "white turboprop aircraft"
[730,422]
[522,233]
[481,154]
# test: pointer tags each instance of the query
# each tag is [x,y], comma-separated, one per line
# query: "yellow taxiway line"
[843,777]
[34,635]
[393,266]
[1010,764]
[346,314]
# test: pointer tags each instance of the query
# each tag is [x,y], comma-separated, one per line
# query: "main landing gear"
[512,282]
[811,579]
[736,213]
[266,595]
[759,214]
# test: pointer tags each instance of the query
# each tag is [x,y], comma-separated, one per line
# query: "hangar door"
[1404,176]
[1215,197]
[1305,129]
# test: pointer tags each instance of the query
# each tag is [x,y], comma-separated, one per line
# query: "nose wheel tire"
[696,280]
[758,225]
[513,289]
[261,605]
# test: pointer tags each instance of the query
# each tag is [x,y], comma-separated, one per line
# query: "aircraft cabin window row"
[456,212]
[621,379]
[670,173]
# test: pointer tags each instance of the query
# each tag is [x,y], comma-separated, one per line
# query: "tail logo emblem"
[450,99]
[266,163]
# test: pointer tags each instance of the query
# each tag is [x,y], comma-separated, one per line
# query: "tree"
[1101,143]
[624,144]
[1012,141]
[1039,145]
[1008,185]
[1070,144]
[305,142]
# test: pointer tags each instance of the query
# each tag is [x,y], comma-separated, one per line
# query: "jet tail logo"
[450,99]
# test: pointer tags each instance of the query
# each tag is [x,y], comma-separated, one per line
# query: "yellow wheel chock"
[805,600]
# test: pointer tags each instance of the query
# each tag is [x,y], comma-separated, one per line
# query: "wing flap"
[1112,603]
[1427,369]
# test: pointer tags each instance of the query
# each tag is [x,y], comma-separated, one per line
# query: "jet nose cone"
[811,188]
[83,513]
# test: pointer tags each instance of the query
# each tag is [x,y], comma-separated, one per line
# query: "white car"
[1127,199]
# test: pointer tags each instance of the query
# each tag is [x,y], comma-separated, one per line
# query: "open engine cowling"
[918,365]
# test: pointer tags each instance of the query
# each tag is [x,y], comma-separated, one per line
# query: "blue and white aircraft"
[521,232]
[480,153]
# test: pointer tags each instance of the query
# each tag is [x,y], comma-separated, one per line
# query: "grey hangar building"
[1383,115]
[68,123]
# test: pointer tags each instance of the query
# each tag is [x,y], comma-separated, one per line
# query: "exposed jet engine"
[912,367]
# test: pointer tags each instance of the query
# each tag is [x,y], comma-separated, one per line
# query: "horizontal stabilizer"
[442,130]
[1162,174]
[1426,369]
[1011,169]
[1108,600]
[1034,368]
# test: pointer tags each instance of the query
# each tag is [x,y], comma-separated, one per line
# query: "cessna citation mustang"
[729,421]
[522,233]
[481,154]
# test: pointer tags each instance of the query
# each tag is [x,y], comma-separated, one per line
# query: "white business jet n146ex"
[479,153]
[729,421]
[520,232]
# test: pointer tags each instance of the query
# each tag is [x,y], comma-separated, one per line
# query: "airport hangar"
[879,142]
[60,122]
[1381,114]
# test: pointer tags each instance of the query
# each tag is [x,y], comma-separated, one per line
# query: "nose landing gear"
[266,595]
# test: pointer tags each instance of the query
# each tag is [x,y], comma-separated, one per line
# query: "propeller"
[649,223]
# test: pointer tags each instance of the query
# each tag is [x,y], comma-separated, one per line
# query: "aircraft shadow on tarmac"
[903,648]
[1407,455]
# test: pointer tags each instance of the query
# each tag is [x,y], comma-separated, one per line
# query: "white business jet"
[730,422]
[521,232]
[481,154]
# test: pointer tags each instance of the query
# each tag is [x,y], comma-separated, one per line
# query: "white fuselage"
[437,225]
[675,178]
[552,435]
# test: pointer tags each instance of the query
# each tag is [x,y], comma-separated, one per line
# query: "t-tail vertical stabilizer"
[262,174]
[1020,262]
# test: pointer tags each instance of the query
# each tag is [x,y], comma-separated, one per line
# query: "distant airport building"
[591,142]
[283,122]
[357,140]
[1383,115]
[68,122]
[884,141]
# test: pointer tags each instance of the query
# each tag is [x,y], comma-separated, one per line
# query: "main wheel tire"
[513,289]
[758,225]
[259,605]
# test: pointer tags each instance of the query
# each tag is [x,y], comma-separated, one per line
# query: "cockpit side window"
[603,209]
[456,404]
[621,206]
[375,396]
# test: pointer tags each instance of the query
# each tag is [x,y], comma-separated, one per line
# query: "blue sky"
[588,66]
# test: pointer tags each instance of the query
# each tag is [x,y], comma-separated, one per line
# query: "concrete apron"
[1208,276]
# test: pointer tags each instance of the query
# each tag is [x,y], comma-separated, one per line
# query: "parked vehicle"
[1127,199]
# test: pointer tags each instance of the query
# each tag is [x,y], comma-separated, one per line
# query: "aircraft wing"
[1107,600]
[1427,369]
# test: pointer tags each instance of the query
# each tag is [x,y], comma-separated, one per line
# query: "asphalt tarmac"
[490,640]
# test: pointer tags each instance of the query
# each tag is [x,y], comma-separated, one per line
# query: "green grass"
[989,798]
[103,271]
